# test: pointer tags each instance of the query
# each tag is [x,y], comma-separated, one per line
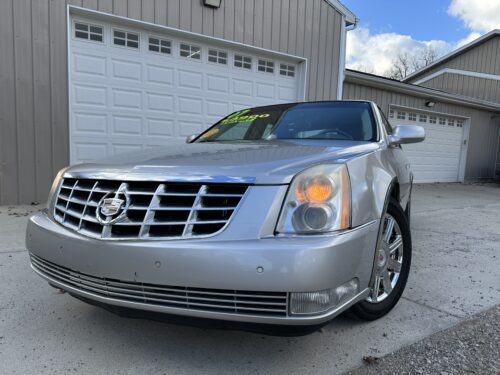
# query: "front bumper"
[266,265]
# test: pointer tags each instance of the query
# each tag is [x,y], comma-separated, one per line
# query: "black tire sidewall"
[371,311]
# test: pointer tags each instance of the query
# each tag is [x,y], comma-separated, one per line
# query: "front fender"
[371,177]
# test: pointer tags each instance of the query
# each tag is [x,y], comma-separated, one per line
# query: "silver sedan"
[278,216]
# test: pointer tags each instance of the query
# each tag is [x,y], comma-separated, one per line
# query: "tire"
[374,307]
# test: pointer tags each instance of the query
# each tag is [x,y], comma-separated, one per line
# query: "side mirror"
[403,134]
[191,138]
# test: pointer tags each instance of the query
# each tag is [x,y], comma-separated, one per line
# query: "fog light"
[308,303]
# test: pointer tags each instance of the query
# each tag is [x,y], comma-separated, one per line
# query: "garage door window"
[160,45]
[125,39]
[265,66]
[401,115]
[412,116]
[432,119]
[442,121]
[217,57]
[88,32]
[244,62]
[451,122]
[460,123]
[190,51]
[287,70]
[423,118]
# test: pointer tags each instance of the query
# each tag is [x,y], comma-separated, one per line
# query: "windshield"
[351,121]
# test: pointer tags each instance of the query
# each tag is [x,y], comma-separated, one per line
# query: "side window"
[387,125]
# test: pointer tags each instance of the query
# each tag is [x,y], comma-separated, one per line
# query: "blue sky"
[389,28]
[421,19]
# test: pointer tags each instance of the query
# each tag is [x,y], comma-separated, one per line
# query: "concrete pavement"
[456,251]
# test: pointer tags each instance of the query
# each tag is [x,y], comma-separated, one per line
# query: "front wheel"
[391,266]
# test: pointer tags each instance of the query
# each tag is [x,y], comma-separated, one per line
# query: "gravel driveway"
[471,347]
[456,238]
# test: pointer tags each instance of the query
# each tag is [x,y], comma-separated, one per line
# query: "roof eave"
[424,92]
[350,17]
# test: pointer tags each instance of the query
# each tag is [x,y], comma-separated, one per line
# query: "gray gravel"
[471,347]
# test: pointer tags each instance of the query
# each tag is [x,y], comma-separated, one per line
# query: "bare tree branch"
[405,63]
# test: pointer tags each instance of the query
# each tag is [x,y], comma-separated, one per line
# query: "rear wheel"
[391,266]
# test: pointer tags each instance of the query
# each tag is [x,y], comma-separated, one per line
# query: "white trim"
[419,91]
[467,73]
[497,155]
[68,73]
[453,53]
[341,74]
[465,133]
[348,16]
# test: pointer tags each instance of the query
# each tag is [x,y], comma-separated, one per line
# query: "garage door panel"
[217,84]
[160,127]
[90,123]
[120,148]
[127,125]
[88,149]
[242,87]
[189,79]
[89,65]
[160,102]
[126,99]
[265,90]
[159,75]
[286,93]
[126,70]
[190,106]
[216,108]
[85,95]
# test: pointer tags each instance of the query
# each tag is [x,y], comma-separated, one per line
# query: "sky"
[388,28]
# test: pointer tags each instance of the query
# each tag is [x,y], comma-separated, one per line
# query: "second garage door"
[133,88]
[438,158]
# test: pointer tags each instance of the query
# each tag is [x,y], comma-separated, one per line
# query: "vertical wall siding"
[33,67]
[483,59]
[474,87]
[481,152]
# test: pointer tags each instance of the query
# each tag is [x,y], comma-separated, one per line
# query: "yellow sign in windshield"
[242,116]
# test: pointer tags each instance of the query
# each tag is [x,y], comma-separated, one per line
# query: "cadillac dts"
[277,216]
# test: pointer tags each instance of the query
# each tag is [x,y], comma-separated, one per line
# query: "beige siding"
[475,87]
[481,152]
[482,59]
[33,67]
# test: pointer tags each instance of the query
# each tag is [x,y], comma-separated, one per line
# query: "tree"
[405,63]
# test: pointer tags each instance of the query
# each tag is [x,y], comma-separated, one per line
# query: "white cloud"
[477,15]
[376,53]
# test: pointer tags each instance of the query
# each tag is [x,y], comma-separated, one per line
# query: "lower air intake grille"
[145,210]
[216,300]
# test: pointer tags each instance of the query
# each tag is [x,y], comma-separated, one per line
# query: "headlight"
[318,201]
[53,190]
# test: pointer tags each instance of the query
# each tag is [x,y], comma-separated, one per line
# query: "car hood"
[265,162]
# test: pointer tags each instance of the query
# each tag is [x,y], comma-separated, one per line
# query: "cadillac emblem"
[112,208]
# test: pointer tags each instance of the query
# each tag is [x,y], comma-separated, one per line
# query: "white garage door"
[131,88]
[438,158]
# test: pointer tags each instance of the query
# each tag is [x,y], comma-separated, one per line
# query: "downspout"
[343,34]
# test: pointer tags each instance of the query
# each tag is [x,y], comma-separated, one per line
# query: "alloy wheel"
[388,261]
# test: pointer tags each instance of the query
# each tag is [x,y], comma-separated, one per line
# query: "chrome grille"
[155,211]
[216,300]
